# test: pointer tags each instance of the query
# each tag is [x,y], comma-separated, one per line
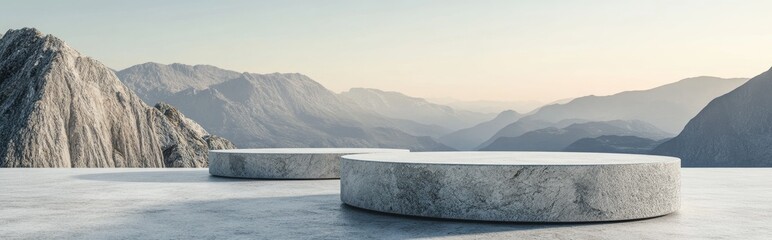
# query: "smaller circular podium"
[513,186]
[283,163]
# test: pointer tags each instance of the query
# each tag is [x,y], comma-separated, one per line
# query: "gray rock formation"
[61,109]
[470,138]
[734,130]
[513,186]
[281,110]
[557,139]
[614,144]
[400,106]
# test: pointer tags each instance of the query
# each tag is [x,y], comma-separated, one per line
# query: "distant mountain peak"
[34,40]
[31,32]
[508,113]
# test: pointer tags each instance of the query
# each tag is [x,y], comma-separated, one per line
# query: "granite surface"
[717,203]
[283,163]
[513,186]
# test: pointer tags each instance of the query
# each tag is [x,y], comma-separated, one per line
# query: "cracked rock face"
[61,109]
[515,187]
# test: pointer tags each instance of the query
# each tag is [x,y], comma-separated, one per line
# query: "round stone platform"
[283,163]
[513,186]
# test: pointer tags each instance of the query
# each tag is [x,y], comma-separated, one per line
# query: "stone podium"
[283,163]
[513,186]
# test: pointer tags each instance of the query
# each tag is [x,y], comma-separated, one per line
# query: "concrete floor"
[188,203]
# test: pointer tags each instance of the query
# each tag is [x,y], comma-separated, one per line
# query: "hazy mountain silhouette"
[668,107]
[470,138]
[523,126]
[487,106]
[557,139]
[61,109]
[283,110]
[734,130]
[614,144]
[400,106]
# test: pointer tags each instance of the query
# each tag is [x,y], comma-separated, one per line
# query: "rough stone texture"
[283,163]
[61,109]
[513,186]
[717,203]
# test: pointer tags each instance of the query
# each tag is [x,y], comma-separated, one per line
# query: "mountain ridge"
[62,109]
[469,138]
[557,139]
[669,107]
[400,106]
[731,131]
[287,110]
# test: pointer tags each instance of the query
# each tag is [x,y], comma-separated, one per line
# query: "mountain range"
[615,144]
[62,109]
[487,106]
[276,110]
[155,82]
[469,138]
[400,106]
[668,107]
[59,108]
[734,130]
[557,139]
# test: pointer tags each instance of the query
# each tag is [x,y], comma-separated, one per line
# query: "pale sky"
[470,50]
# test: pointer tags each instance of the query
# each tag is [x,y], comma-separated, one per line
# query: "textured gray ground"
[189,203]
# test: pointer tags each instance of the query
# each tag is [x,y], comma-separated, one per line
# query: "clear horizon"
[488,50]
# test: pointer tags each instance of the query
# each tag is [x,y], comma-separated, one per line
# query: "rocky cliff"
[61,109]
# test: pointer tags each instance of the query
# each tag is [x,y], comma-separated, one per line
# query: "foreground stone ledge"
[513,186]
[283,163]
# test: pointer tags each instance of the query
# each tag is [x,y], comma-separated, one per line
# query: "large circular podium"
[283,163]
[513,186]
